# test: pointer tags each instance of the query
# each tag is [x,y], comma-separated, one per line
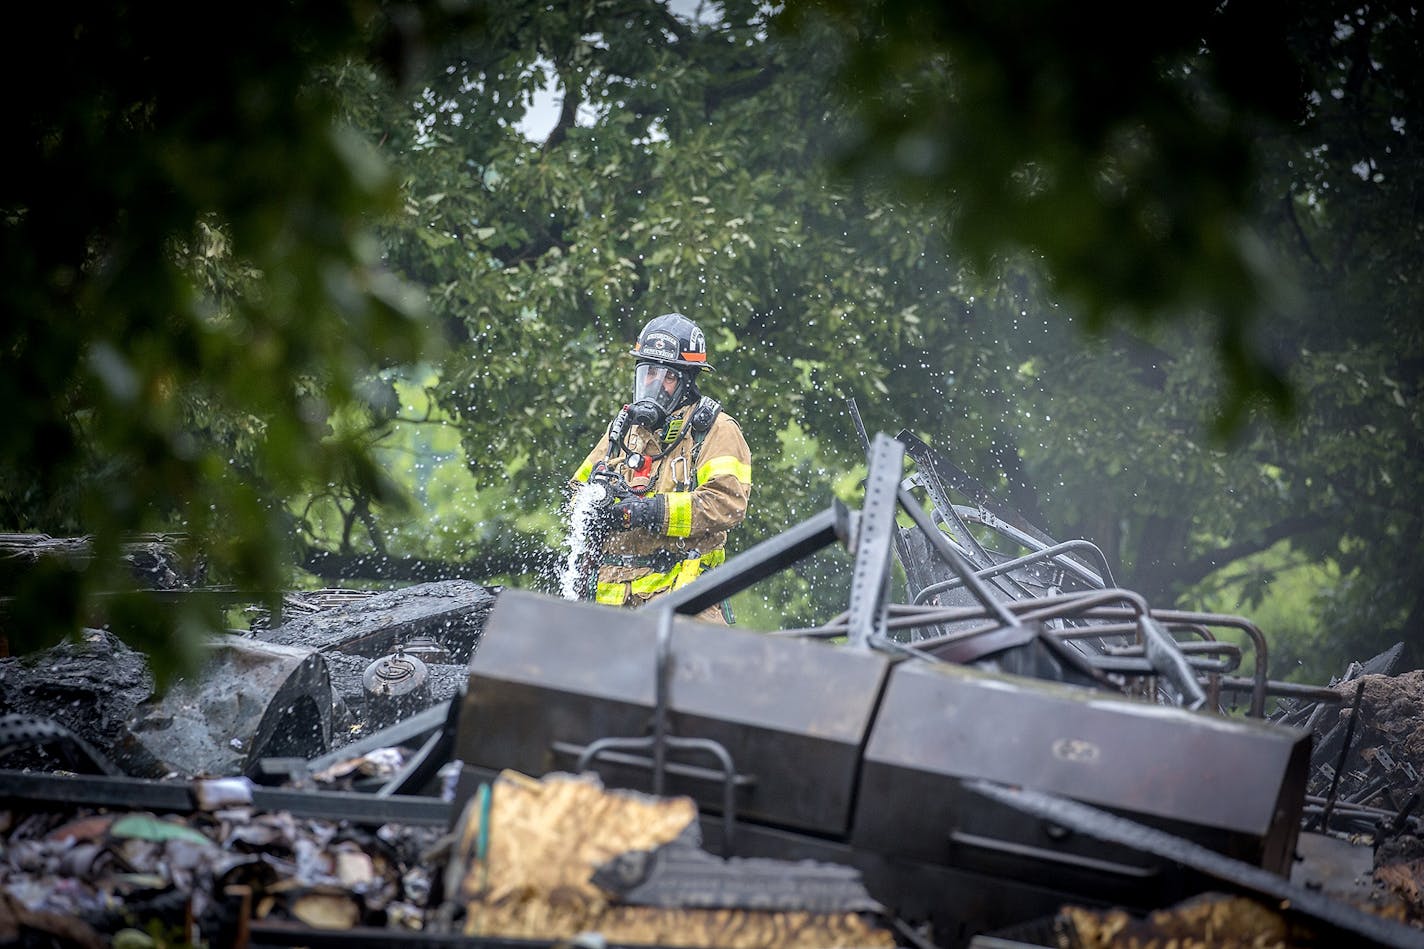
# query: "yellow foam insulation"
[546,837]
[1212,922]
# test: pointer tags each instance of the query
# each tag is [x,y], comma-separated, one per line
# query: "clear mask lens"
[659,385]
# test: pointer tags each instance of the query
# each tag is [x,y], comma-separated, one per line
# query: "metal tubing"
[606,749]
[1229,655]
[660,708]
[1167,656]
[1048,553]
[729,785]
[1258,695]
[1258,640]
[1164,654]
[1189,648]
[1075,605]
[659,746]
[1023,539]
[1161,649]
[948,512]
[957,562]
[1140,665]
[960,636]
[1293,690]
[1352,923]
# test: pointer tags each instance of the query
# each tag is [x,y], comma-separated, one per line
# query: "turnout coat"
[706,480]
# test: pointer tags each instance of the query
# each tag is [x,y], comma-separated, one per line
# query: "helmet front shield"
[660,386]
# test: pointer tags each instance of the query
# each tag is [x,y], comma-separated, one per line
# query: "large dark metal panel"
[553,676]
[1235,786]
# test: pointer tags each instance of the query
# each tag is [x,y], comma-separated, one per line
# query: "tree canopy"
[190,287]
[1066,258]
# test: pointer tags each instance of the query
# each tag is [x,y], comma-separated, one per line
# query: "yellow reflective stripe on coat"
[583,473]
[713,557]
[726,464]
[679,508]
[616,594]
[611,594]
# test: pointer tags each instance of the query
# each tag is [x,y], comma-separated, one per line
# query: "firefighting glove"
[639,513]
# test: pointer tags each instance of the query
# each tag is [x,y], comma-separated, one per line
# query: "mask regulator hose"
[616,431]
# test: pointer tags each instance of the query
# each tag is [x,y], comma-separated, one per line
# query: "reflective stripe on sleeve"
[679,508]
[583,473]
[611,594]
[726,464]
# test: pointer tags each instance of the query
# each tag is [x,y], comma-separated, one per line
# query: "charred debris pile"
[1020,753]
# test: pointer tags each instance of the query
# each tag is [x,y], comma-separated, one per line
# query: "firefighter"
[675,472]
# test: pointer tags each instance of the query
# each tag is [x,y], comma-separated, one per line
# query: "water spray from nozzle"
[585,537]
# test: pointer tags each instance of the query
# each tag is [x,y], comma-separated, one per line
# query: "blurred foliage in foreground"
[208,265]
[190,286]
[1124,161]
[657,186]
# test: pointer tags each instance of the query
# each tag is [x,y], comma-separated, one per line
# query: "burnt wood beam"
[331,565]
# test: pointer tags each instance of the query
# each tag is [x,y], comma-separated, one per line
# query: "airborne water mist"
[582,537]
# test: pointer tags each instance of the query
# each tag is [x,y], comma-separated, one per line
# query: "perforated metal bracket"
[870,581]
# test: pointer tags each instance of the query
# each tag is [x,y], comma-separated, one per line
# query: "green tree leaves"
[190,285]
[205,268]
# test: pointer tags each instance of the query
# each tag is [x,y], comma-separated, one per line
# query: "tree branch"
[567,112]
[1300,234]
[1147,361]
[331,565]
[746,84]
[1193,571]
[533,250]
[363,511]
[671,23]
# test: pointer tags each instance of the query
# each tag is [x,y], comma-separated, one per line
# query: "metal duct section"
[1235,786]
[553,677]
[827,745]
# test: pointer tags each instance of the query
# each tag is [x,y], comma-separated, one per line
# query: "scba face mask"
[658,391]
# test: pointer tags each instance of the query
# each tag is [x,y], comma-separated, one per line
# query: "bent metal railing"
[970,602]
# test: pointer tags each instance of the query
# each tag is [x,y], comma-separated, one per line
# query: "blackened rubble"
[452,612]
[174,848]
[83,875]
[251,700]
[152,559]
[298,689]
[1367,776]
[919,758]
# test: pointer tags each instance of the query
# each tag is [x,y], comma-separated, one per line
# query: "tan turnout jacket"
[706,482]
